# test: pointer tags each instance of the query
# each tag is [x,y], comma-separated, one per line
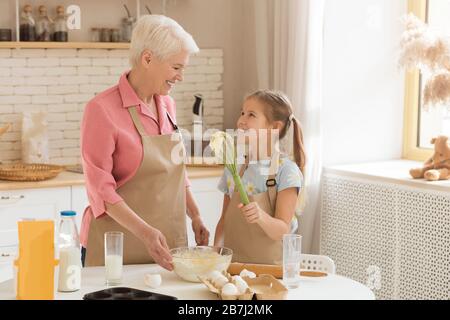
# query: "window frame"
[411,150]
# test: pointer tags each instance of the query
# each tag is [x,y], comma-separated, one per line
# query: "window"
[420,125]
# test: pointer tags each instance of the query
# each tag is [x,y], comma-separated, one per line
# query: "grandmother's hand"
[158,249]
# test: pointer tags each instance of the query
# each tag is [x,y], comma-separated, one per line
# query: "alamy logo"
[73,17]
[73,277]
[373,277]
[238,147]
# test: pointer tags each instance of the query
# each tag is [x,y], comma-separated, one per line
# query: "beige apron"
[157,193]
[249,242]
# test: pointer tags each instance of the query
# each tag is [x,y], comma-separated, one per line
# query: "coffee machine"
[197,111]
[197,142]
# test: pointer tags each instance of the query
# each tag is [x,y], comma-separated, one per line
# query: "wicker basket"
[4,129]
[29,172]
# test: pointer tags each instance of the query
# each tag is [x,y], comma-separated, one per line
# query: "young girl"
[254,232]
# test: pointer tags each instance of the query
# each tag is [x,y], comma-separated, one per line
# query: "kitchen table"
[331,287]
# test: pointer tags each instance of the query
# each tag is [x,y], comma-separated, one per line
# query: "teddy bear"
[437,167]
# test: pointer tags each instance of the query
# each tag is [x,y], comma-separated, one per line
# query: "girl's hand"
[252,212]
[200,231]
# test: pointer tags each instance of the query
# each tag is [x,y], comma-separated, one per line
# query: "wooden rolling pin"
[274,270]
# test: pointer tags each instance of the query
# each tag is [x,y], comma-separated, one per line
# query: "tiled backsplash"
[61,81]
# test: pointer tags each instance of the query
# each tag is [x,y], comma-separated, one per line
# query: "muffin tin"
[122,293]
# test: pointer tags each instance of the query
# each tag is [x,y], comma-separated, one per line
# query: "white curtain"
[288,38]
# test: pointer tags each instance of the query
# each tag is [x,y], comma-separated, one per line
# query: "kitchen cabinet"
[209,200]
[29,204]
[43,203]
[26,204]
[79,202]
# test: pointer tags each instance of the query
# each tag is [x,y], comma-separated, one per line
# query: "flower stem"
[240,187]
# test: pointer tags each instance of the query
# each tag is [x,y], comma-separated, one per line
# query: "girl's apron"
[249,242]
[157,193]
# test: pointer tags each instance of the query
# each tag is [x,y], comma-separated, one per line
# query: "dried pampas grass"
[437,90]
[414,42]
[422,48]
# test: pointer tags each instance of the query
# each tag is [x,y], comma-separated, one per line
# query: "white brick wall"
[61,81]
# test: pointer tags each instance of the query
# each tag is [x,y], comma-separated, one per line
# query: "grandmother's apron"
[249,242]
[157,193]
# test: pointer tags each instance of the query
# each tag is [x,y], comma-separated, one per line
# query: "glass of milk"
[113,257]
[292,248]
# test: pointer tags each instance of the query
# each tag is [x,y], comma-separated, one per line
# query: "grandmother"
[128,133]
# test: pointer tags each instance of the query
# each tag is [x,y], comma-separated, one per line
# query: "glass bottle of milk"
[69,253]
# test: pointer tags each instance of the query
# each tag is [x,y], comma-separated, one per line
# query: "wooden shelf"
[64,45]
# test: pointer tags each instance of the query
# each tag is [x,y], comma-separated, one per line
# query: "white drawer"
[79,203]
[210,206]
[30,204]
[6,271]
[7,256]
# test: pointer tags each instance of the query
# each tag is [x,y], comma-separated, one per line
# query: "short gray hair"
[161,35]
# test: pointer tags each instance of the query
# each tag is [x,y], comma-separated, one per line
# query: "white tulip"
[222,144]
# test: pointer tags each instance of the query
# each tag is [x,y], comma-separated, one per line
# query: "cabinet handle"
[11,199]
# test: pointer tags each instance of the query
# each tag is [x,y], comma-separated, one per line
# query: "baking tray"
[123,293]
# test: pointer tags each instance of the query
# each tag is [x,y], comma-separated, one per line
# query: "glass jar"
[27,24]
[61,34]
[69,253]
[115,35]
[5,35]
[95,35]
[127,28]
[43,25]
[105,35]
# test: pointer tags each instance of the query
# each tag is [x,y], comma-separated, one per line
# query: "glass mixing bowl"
[193,262]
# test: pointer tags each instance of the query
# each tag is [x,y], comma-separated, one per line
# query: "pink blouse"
[111,148]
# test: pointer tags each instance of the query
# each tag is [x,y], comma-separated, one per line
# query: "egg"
[240,283]
[220,281]
[230,289]
[246,273]
[152,280]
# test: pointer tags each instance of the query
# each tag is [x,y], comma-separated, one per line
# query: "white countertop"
[394,171]
[329,287]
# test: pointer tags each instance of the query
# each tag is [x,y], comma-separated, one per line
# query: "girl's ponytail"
[299,147]
[300,159]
